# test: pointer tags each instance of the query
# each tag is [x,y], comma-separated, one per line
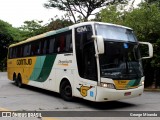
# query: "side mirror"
[150,49]
[100,44]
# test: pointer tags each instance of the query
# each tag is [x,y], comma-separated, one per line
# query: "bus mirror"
[100,44]
[150,49]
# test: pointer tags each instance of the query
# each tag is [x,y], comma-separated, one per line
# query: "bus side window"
[14,52]
[56,46]
[33,50]
[29,50]
[25,50]
[61,43]
[51,45]
[22,49]
[19,51]
[47,45]
[65,42]
[69,45]
[38,45]
[42,47]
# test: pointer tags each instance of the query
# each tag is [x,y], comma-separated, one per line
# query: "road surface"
[29,98]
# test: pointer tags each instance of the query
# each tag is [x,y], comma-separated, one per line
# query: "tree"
[5,41]
[7,28]
[111,15]
[7,36]
[32,28]
[58,24]
[82,8]
[151,1]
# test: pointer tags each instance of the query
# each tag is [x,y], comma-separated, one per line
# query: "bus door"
[86,63]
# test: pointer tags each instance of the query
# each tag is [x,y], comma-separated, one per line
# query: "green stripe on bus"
[136,83]
[57,31]
[47,67]
[133,83]
[37,68]
[62,30]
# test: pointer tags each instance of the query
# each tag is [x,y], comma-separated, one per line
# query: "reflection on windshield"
[115,33]
[121,61]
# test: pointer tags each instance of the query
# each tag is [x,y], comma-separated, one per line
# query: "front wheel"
[66,91]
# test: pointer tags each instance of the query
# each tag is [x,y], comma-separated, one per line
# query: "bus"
[95,61]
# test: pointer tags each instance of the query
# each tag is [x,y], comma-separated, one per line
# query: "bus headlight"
[107,85]
[142,83]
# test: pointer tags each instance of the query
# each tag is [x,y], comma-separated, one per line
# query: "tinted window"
[85,53]
[51,45]
[59,43]
[63,42]
[27,50]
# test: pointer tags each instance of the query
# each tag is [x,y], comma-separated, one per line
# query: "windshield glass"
[121,60]
[115,33]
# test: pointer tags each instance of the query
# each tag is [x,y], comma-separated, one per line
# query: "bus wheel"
[66,91]
[15,79]
[19,81]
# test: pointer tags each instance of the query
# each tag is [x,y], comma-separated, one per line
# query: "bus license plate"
[127,93]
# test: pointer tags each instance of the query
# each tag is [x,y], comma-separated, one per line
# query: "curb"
[151,90]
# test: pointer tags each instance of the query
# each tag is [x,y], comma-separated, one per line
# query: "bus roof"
[53,32]
[92,22]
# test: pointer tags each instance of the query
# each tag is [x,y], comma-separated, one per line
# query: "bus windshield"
[121,60]
[115,33]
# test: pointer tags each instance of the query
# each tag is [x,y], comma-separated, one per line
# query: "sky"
[16,12]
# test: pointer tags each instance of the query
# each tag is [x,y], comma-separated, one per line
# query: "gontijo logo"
[24,62]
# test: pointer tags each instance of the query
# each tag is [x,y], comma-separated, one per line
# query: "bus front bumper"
[105,94]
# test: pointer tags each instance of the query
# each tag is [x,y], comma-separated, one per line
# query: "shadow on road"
[110,105]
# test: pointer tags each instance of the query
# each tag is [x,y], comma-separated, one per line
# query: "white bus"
[91,60]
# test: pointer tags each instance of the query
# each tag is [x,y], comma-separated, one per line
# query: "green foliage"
[58,23]
[6,38]
[8,29]
[145,21]
[9,35]
[32,28]
[110,15]
[151,1]
[81,8]
[5,41]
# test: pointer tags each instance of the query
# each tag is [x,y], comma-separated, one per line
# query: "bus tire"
[15,79]
[19,81]
[66,90]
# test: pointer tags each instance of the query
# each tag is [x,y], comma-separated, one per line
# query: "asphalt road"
[29,98]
